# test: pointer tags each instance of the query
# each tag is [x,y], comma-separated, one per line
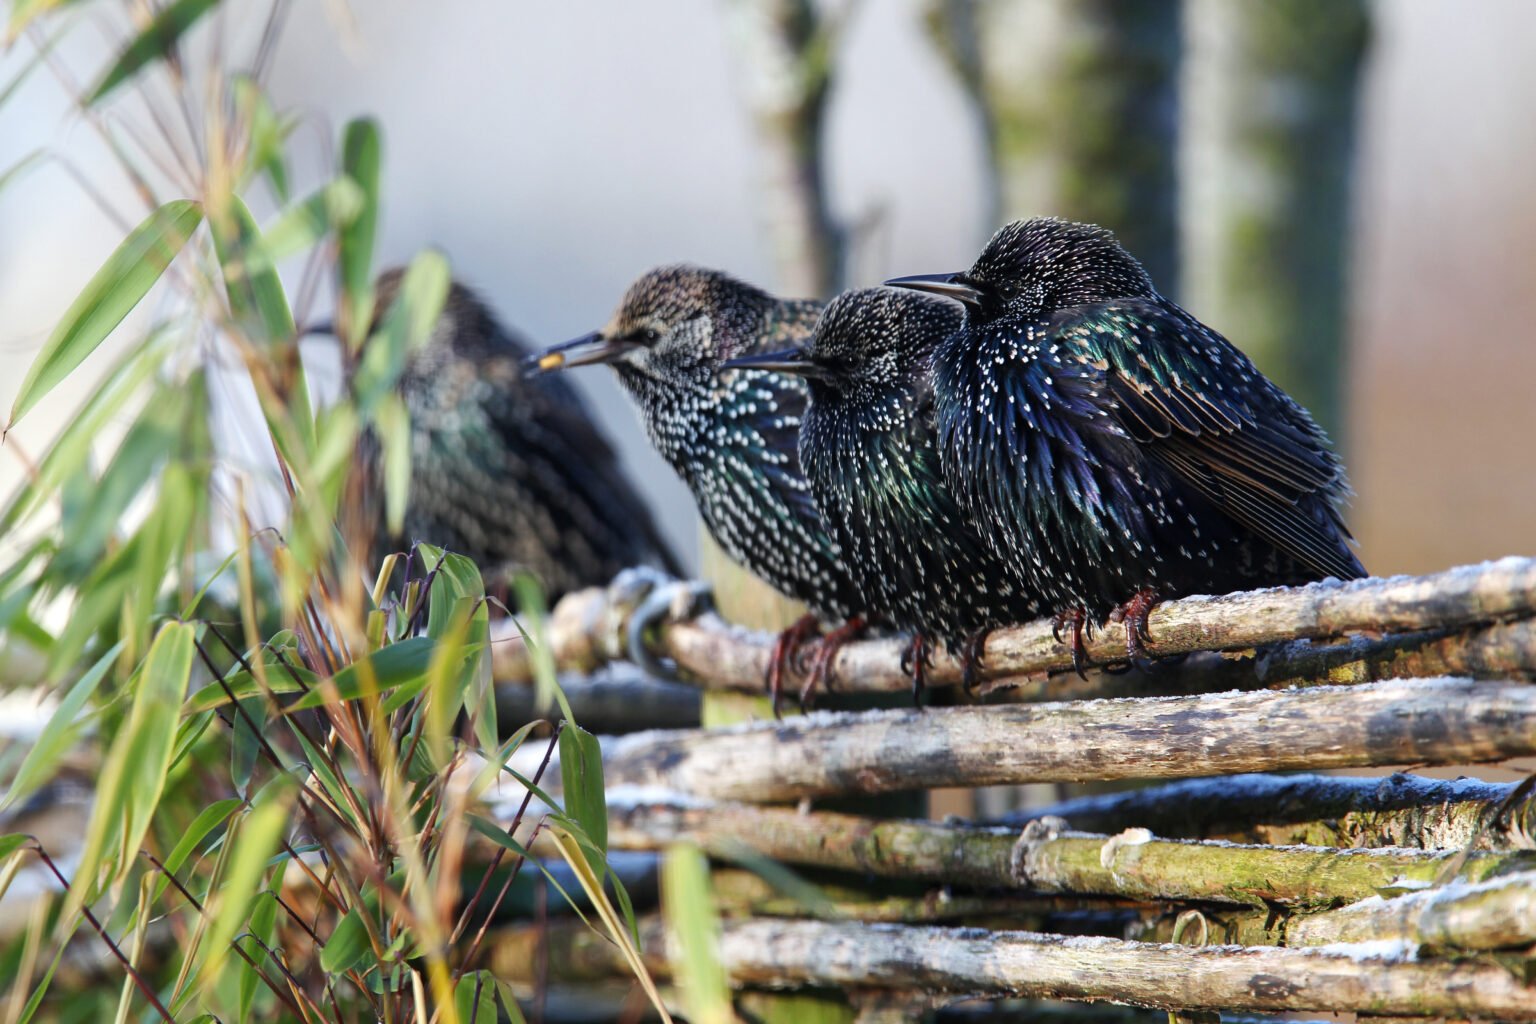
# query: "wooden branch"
[1363,979]
[1045,859]
[586,632]
[1313,810]
[1436,721]
[1496,914]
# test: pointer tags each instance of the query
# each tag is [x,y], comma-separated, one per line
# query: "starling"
[508,469]
[731,436]
[1116,449]
[868,445]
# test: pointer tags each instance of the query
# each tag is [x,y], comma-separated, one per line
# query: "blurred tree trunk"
[1078,102]
[785,54]
[1272,90]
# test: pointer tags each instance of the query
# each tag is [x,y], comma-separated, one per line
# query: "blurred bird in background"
[509,470]
[1116,449]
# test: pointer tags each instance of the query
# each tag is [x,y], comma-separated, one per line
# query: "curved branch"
[586,632]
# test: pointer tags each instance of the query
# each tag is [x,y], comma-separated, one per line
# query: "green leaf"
[360,161]
[405,327]
[135,769]
[10,844]
[59,735]
[347,946]
[581,775]
[110,296]
[509,1004]
[260,833]
[263,926]
[260,305]
[475,998]
[399,664]
[209,819]
[689,908]
[264,133]
[155,42]
[393,423]
[68,455]
[300,227]
[245,746]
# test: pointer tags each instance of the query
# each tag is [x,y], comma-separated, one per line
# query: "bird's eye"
[651,335]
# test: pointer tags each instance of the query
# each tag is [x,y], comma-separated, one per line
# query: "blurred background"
[1343,188]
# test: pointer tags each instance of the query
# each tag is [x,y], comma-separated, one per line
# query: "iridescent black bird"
[730,436]
[1115,448]
[512,471]
[867,443]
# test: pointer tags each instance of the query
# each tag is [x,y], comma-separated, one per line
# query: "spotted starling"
[730,436]
[1115,448]
[509,470]
[867,443]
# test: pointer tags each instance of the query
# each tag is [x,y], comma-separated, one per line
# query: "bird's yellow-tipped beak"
[582,351]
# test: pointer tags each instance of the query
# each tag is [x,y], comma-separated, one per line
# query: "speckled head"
[866,341]
[674,323]
[878,336]
[1038,266]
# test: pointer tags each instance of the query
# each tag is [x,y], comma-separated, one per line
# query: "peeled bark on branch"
[1314,810]
[1132,865]
[586,632]
[783,953]
[1436,721]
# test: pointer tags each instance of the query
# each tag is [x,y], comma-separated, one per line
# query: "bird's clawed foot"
[657,599]
[1133,614]
[820,674]
[1077,619]
[914,662]
[971,657]
[786,647]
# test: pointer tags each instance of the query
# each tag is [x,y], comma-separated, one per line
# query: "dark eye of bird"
[651,335]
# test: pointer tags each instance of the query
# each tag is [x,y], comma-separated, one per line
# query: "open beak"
[790,360]
[951,286]
[583,351]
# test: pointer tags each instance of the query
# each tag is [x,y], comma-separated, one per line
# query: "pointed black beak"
[790,360]
[951,286]
[583,351]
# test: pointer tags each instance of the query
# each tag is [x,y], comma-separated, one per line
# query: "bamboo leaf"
[399,664]
[393,423]
[300,227]
[509,1004]
[348,945]
[60,734]
[581,774]
[263,926]
[474,997]
[210,818]
[406,326]
[260,305]
[155,42]
[265,135]
[691,916]
[134,772]
[10,844]
[360,161]
[260,833]
[110,296]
